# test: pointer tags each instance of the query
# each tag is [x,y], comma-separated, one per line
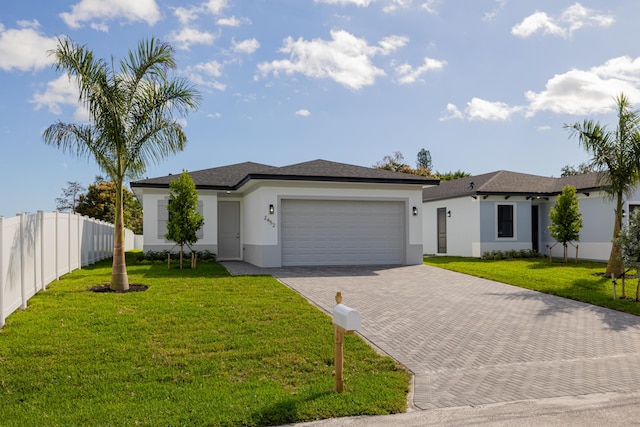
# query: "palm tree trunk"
[615,265]
[119,278]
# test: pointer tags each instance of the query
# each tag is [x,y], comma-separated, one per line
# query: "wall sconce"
[415,211]
[271,210]
[448,214]
[624,214]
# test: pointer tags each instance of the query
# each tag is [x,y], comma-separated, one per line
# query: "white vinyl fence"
[37,249]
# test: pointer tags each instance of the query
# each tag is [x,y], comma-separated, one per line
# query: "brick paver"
[471,341]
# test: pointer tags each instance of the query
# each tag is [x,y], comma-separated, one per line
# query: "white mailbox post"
[346,320]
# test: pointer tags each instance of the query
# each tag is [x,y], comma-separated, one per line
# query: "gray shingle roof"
[509,183]
[234,176]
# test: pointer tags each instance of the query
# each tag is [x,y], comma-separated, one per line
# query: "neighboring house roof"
[235,176]
[506,183]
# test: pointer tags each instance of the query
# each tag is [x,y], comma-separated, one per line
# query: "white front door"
[229,230]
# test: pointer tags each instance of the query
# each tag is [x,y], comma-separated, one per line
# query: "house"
[312,213]
[506,210]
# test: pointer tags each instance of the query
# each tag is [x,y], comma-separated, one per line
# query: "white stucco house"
[506,210]
[312,213]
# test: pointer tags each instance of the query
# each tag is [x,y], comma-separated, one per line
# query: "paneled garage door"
[321,232]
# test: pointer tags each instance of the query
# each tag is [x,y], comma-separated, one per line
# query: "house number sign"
[270,221]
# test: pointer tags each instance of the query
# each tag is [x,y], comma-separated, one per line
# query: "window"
[163,217]
[505,220]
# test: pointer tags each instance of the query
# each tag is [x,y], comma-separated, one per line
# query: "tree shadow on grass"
[205,269]
[554,305]
[285,411]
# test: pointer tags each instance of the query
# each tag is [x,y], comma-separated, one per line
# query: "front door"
[229,230]
[442,230]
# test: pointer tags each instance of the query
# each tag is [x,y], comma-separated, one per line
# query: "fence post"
[2,276]
[56,248]
[42,251]
[79,218]
[23,282]
[69,243]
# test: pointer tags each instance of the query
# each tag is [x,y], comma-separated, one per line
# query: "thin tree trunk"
[181,252]
[119,278]
[614,265]
[566,253]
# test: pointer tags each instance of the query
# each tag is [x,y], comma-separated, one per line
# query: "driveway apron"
[470,341]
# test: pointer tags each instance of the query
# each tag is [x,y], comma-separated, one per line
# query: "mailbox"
[346,317]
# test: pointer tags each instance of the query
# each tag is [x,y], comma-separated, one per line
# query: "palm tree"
[616,156]
[131,118]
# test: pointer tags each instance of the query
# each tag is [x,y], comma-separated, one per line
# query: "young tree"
[70,195]
[424,160]
[184,218]
[629,242]
[616,156]
[566,218]
[132,118]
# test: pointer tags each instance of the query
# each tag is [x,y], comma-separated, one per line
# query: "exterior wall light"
[415,211]
[271,210]
[449,214]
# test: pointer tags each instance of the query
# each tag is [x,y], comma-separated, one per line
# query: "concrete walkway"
[472,342]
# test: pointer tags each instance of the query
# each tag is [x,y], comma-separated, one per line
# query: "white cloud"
[580,92]
[429,6]
[26,48]
[480,109]
[544,128]
[397,4]
[205,73]
[245,46]
[190,36]
[303,113]
[571,19]
[59,92]
[406,74]
[360,3]
[345,58]
[576,92]
[212,7]
[104,10]
[214,115]
[232,21]
[452,113]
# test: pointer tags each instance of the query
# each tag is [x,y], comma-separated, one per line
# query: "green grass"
[579,281]
[198,348]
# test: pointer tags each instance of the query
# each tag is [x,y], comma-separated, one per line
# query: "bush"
[205,255]
[511,254]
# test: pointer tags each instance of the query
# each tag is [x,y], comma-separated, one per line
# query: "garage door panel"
[320,232]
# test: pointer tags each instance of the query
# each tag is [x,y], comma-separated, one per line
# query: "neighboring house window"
[633,207]
[163,217]
[505,221]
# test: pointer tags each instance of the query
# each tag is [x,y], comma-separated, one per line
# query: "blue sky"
[484,86]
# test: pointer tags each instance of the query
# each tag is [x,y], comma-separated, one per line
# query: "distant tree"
[582,168]
[616,156]
[566,218]
[184,218]
[450,176]
[424,160]
[395,163]
[70,195]
[629,242]
[100,202]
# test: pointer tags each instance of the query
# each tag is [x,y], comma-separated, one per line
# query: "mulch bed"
[107,288]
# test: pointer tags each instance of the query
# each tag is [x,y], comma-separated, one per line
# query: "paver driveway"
[471,341]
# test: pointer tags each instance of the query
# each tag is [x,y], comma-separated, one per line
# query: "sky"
[484,85]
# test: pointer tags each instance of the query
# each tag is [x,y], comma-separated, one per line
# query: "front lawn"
[198,348]
[581,281]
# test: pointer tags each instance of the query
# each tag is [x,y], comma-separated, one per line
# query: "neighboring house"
[507,210]
[313,213]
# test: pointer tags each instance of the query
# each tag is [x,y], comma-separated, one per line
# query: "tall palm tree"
[616,156]
[131,114]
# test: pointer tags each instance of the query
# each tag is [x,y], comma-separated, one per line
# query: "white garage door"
[321,232]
